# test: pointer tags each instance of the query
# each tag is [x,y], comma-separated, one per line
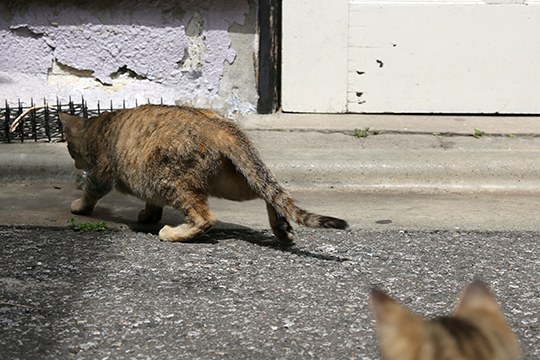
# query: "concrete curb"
[319,152]
[35,161]
[415,171]
[420,124]
[410,156]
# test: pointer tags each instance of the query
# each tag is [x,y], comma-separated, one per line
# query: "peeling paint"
[176,50]
[240,99]
[193,53]
[22,52]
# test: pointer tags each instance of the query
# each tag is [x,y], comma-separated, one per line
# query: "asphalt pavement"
[430,206]
[235,294]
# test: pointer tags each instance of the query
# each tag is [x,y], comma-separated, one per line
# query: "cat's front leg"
[94,189]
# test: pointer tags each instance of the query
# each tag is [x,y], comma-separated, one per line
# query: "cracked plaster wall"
[190,52]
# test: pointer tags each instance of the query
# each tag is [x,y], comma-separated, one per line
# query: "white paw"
[79,207]
[166,233]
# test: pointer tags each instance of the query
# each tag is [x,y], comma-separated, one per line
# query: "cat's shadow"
[221,232]
[260,238]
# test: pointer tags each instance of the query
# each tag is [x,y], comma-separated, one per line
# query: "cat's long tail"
[245,157]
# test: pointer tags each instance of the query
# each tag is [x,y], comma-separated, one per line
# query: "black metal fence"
[41,121]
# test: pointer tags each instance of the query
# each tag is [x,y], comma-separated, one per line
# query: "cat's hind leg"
[199,219]
[151,214]
[281,228]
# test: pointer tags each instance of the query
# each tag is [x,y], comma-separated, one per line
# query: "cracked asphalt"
[236,294]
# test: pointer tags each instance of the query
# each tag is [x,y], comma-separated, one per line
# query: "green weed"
[478,133]
[361,133]
[87,226]
[365,132]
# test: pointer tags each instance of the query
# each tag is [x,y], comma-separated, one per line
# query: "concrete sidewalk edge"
[384,169]
[390,123]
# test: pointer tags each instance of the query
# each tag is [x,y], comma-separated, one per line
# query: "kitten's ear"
[478,304]
[398,329]
[71,124]
[477,296]
[386,308]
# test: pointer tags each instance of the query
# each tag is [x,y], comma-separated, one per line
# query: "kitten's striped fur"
[178,156]
[476,330]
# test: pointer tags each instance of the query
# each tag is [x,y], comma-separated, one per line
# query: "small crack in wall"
[124,71]
[57,68]
[25,31]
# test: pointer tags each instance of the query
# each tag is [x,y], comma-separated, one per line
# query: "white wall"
[411,56]
[314,56]
[184,52]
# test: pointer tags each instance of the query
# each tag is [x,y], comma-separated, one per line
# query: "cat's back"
[158,126]
[167,118]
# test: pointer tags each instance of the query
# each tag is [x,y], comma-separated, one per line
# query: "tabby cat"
[476,330]
[178,156]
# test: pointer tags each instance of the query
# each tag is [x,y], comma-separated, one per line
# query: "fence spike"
[58,122]
[6,123]
[33,120]
[47,124]
[84,108]
[21,128]
[71,107]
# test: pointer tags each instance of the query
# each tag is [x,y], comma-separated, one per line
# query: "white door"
[411,56]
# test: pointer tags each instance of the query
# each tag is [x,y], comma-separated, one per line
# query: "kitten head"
[74,132]
[476,330]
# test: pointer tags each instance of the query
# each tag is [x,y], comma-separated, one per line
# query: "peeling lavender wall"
[189,52]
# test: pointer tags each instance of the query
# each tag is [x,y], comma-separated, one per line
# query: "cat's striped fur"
[178,156]
[476,330]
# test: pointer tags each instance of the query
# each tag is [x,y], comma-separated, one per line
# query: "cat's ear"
[398,329]
[72,124]
[477,296]
[478,304]
[386,308]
